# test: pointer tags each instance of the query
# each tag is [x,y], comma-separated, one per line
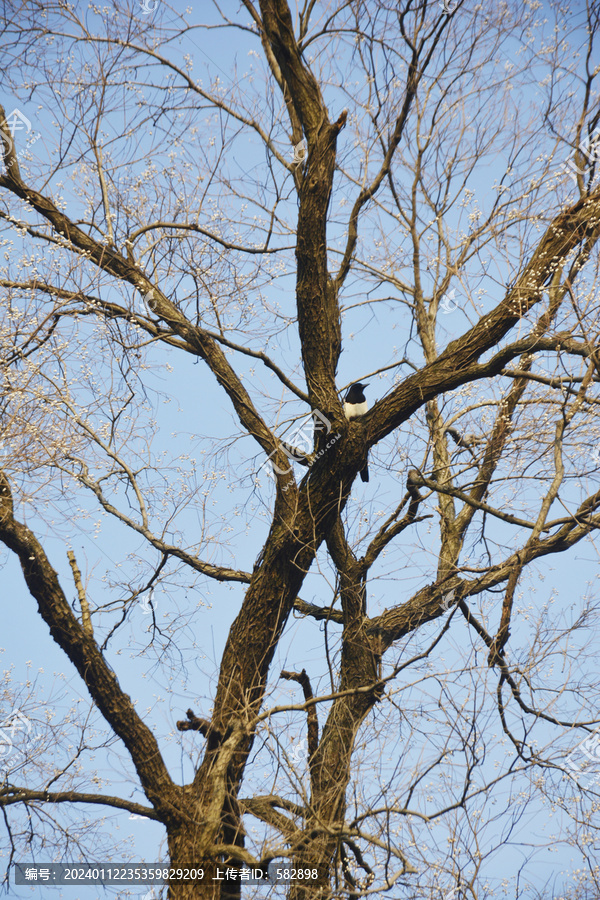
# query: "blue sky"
[196,447]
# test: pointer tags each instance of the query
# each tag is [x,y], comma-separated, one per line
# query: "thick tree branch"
[311,711]
[82,650]
[114,263]
[319,322]
[193,723]
[12,794]
[319,613]
[425,605]
[458,365]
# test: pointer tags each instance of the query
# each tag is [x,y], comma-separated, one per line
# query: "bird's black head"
[355,394]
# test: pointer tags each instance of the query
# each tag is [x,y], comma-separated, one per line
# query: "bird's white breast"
[354,410]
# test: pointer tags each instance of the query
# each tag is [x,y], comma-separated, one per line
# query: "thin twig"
[86,620]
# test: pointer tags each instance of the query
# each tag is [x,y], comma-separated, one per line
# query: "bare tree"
[372,161]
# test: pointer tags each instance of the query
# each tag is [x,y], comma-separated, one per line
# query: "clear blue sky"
[185,408]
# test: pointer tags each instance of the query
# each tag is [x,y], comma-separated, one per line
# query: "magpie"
[355,405]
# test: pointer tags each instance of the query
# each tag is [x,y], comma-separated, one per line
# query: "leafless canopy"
[223,211]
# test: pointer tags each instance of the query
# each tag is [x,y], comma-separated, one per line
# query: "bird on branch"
[355,405]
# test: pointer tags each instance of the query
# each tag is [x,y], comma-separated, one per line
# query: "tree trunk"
[330,766]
